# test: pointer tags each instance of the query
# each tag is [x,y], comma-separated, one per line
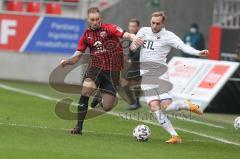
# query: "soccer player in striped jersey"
[130,74]
[106,52]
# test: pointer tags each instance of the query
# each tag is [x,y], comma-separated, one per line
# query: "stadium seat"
[33,7]
[15,5]
[53,8]
[73,1]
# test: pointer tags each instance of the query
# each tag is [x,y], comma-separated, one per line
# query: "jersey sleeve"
[174,41]
[140,33]
[82,45]
[116,30]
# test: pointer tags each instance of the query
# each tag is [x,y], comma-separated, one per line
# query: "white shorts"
[159,97]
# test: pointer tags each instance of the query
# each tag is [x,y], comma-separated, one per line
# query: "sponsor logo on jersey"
[119,29]
[103,34]
[98,45]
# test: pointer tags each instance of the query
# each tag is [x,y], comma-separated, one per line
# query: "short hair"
[194,25]
[159,14]
[93,10]
[135,21]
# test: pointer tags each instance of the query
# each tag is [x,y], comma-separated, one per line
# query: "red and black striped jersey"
[105,47]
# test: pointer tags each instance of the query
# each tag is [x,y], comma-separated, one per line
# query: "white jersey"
[158,45]
[155,49]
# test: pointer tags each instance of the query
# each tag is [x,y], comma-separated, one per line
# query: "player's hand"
[130,61]
[64,63]
[204,53]
[138,41]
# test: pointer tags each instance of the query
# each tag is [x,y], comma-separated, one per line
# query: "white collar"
[162,30]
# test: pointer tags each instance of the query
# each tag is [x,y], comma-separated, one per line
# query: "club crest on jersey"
[158,37]
[103,34]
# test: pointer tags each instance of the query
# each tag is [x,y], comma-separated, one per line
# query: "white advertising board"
[199,79]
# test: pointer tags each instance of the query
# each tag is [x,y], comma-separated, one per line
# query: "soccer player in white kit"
[157,44]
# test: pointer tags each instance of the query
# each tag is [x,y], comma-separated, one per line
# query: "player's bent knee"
[89,83]
[154,106]
[87,91]
[107,108]
[108,102]
[89,87]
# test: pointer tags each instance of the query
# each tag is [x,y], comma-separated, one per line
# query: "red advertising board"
[212,78]
[14,29]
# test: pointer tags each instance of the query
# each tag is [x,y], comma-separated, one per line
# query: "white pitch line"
[200,122]
[32,126]
[210,137]
[61,129]
[87,131]
[185,130]
[194,121]
[9,88]
[56,100]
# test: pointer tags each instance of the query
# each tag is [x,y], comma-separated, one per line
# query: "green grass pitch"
[29,128]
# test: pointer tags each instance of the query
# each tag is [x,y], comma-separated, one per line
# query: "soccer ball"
[237,123]
[141,133]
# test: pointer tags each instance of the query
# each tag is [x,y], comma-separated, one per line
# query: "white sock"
[165,122]
[177,105]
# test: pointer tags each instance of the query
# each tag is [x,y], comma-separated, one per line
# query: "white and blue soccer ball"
[141,133]
[237,123]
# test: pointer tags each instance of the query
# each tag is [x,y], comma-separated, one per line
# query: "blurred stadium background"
[52,29]
[36,35]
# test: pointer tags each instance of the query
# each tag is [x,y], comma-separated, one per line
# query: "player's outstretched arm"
[177,43]
[136,41]
[189,50]
[74,59]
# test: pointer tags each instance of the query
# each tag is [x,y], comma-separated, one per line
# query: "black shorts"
[132,72]
[106,81]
